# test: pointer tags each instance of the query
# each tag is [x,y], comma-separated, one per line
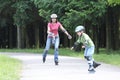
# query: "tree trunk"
[37,36]
[108,30]
[119,30]
[10,37]
[96,36]
[116,27]
[18,37]
[23,39]
[27,38]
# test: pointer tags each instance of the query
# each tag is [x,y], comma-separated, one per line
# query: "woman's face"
[54,20]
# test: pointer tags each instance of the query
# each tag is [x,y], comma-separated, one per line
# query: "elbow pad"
[75,45]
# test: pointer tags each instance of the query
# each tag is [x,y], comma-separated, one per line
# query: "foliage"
[21,17]
[4,4]
[20,10]
[46,7]
[72,12]
[114,2]
[84,11]
[5,12]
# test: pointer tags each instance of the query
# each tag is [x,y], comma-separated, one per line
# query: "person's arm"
[75,45]
[65,31]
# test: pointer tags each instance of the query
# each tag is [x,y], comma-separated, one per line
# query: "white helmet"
[53,16]
[79,28]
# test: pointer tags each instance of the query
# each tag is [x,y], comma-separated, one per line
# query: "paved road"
[69,68]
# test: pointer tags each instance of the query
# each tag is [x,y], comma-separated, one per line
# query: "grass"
[9,68]
[112,57]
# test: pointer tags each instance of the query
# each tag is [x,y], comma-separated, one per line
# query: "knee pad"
[88,58]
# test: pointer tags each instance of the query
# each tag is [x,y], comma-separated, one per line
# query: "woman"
[53,37]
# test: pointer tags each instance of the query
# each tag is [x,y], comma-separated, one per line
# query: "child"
[88,45]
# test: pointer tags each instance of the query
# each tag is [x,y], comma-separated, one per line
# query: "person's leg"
[90,62]
[56,50]
[48,43]
[89,51]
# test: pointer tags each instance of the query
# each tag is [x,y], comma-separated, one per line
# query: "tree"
[98,17]
[6,13]
[113,25]
[20,19]
[74,12]
[21,13]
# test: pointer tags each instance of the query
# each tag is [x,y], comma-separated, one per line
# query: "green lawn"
[9,68]
[111,58]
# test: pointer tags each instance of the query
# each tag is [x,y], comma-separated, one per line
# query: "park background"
[23,23]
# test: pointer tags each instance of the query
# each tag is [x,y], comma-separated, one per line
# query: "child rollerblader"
[89,47]
[53,37]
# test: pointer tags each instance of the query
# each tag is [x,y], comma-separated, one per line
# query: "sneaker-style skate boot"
[44,56]
[95,64]
[56,62]
[91,68]
[44,59]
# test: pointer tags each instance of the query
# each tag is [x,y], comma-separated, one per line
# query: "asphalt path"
[69,68]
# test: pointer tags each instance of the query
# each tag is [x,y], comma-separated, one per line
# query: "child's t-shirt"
[86,40]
